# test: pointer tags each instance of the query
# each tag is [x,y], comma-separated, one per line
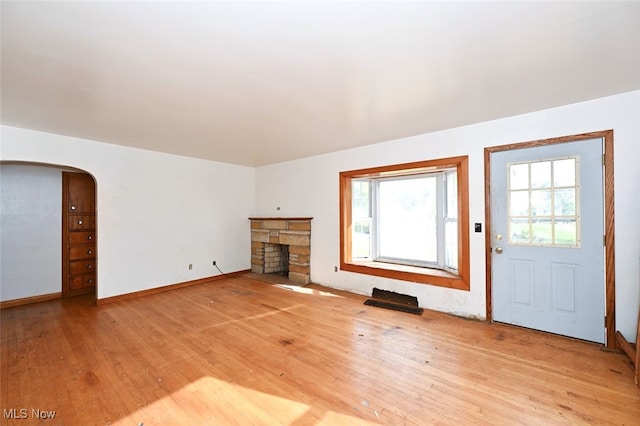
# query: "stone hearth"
[269,233]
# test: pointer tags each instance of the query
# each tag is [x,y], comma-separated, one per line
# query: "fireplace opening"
[276,259]
[282,246]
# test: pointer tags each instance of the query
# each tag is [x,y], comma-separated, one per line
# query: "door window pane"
[542,231]
[541,174]
[519,176]
[540,203]
[519,203]
[564,172]
[566,232]
[519,230]
[565,202]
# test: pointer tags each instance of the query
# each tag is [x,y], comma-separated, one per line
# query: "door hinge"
[603,162]
[604,240]
[605,321]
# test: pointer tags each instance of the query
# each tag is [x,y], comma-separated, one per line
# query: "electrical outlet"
[214,263]
[190,266]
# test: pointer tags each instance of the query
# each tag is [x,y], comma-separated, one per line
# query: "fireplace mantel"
[294,232]
[281,218]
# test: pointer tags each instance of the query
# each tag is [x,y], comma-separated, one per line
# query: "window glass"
[361,210]
[519,203]
[564,202]
[519,230]
[407,219]
[540,203]
[519,176]
[540,174]
[566,231]
[564,172]
[452,195]
[451,245]
[451,221]
[542,231]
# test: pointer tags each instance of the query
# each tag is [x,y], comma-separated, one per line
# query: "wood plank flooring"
[241,351]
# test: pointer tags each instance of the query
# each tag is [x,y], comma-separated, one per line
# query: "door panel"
[547,221]
[563,281]
[521,279]
[81,193]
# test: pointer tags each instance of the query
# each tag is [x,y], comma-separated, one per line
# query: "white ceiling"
[255,83]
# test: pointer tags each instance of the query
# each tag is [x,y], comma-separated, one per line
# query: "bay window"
[407,221]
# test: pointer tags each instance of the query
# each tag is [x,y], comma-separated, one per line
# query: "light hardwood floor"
[243,351]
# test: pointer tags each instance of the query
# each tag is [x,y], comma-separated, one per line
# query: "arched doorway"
[32,240]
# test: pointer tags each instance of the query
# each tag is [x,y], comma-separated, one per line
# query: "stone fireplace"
[282,245]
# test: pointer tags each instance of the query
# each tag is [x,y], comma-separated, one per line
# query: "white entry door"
[547,224]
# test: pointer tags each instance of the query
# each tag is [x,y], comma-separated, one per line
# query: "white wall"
[309,187]
[30,245]
[156,212]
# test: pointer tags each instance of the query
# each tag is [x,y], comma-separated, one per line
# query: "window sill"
[415,274]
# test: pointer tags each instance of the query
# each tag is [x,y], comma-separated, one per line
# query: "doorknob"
[498,250]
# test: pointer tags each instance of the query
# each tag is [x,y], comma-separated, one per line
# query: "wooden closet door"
[78,234]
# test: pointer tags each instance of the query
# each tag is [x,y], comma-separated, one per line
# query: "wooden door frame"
[609,222]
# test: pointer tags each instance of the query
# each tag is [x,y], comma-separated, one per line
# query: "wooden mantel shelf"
[280,218]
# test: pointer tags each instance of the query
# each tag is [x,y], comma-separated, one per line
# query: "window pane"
[519,230]
[541,231]
[451,244]
[451,223]
[361,226]
[564,172]
[565,202]
[519,203]
[407,219]
[360,199]
[541,203]
[452,195]
[541,174]
[519,176]
[566,232]
[361,239]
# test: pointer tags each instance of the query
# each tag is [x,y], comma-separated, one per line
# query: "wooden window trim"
[437,277]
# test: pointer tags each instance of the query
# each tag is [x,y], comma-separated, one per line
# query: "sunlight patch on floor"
[305,290]
[212,401]
[258,316]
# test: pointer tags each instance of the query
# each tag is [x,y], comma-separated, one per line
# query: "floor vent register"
[396,301]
